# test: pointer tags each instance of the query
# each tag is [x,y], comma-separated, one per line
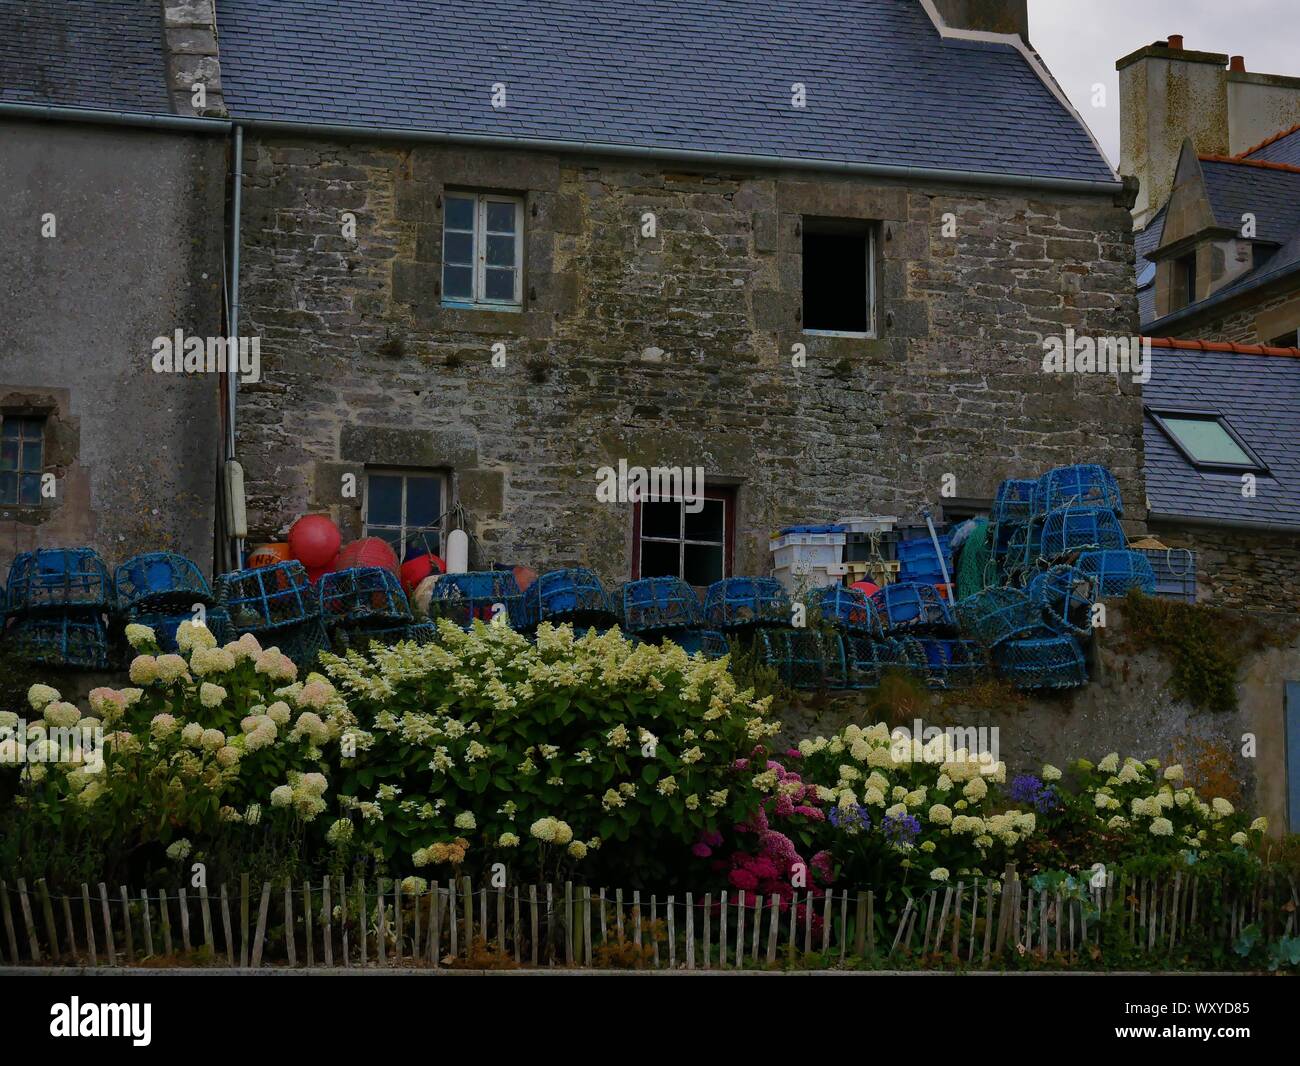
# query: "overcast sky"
[1080,40]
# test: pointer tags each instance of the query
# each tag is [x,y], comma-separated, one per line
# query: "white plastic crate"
[798,581]
[803,551]
[871,523]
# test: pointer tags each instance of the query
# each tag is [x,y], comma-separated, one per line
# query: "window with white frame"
[406,509]
[482,250]
[22,459]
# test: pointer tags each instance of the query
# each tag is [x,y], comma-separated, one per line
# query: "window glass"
[384,499]
[702,564]
[459,213]
[423,501]
[22,460]
[660,559]
[1207,441]
[708,523]
[661,520]
[836,276]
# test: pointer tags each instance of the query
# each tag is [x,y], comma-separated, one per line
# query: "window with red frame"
[671,541]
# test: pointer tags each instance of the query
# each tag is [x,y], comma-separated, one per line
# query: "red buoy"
[314,540]
[368,551]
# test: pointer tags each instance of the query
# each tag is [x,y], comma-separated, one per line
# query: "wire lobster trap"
[268,597]
[707,642]
[1042,662]
[1014,502]
[302,641]
[77,639]
[1080,485]
[953,663]
[844,608]
[659,604]
[806,659]
[738,602]
[1114,573]
[999,614]
[51,579]
[362,594]
[909,606]
[362,637]
[156,580]
[1075,528]
[1063,595]
[480,595]
[572,595]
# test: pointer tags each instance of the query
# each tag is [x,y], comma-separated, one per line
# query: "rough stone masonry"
[672,350]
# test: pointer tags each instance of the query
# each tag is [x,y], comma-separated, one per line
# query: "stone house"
[813,250]
[113,235]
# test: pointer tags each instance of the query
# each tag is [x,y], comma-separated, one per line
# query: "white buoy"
[457,552]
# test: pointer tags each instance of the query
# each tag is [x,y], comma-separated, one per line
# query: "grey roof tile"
[1272,196]
[713,75]
[1286,149]
[104,54]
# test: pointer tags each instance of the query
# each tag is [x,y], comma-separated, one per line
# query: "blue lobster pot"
[658,604]
[157,579]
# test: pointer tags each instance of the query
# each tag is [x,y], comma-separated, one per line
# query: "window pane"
[32,450]
[458,247]
[33,428]
[8,488]
[499,284]
[1207,441]
[703,565]
[29,489]
[501,251]
[459,213]
[659,559]
[9,454]
[384,500]
[661,520]
[392,536]
[423,501]
[458,282]
[707,525]
[423,541]
[11,428]
[501,217]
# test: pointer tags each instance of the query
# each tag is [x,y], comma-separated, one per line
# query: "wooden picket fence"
[333,924]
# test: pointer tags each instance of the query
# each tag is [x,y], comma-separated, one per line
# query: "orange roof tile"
[1263,163]
[1222,346]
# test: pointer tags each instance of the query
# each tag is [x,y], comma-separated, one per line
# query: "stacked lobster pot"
[161,590]
[757,613]
[279,606]
[1014,626]
[923,638]
[365,605]
[59,600]
[667,609]
[574,596]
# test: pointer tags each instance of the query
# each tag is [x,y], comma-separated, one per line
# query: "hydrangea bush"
[540,755]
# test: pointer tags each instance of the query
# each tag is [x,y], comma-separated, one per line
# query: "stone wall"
[1125,707]
[671,350]
[1258,321]
[135,253]
[1256,571]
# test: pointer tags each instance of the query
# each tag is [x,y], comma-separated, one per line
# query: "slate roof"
[1272,196]
[1145,242]
[715,75]
[83,53]
[1282,147]
[1259,396]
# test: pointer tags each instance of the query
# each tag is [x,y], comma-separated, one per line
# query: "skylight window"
[1207,441]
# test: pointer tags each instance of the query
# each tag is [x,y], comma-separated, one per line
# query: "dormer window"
[1185,279]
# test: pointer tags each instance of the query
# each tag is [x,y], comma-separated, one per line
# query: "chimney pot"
[1176,41]
[1237,63]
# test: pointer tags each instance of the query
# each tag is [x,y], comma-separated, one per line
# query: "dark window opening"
[837,276]
[1187,279]
[22,460]
[697,546]
[1287,340]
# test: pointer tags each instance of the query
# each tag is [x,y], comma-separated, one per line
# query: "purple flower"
[851,818]
[1028,789]
[901,830]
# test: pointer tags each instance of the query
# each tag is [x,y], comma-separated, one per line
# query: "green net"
[975,570]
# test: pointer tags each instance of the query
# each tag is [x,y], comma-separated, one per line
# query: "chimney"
[992,16]
[190,41]
[1237,64]
[1168,95]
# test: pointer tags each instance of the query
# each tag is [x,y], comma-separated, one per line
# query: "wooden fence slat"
[327,913]
[435,924]
[758,927]
[974,919]
[261,924]
[290,937]
[25,905]
[569,934]
[185,919]
[245,892]
[708,930]
[381,925]
[69,927]
[907,910]
[9,923]
[956,924]
[773,923]
[47,910]
[988,923]
[722,931]
[532,907]
[205,910]
[109,948]
[148,927]
[86,913]
[307,923]
[467,906]
[690,931]
[828,900]
[363,919]
[604,934]
[166,920]
[672,936]
[519,937]
[501,921]
[636,918]
[740,930]
[844,925]
[808,923]
[398,934]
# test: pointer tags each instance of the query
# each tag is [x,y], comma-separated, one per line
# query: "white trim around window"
[483,250]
